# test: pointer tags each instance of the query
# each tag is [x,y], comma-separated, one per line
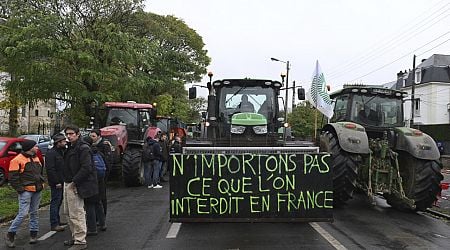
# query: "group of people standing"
[155,157]
[74,184]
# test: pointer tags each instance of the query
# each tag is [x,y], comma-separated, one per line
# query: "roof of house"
[434,69]
[435,60]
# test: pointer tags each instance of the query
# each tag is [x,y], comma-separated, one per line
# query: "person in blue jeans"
[147,162]
[157,160]
[25,173]
[54,163]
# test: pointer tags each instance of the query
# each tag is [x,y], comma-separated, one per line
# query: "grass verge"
[9,202]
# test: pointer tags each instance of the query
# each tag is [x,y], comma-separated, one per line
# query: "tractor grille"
[247,150]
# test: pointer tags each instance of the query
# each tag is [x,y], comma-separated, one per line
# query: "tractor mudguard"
[352,137]
[417,143]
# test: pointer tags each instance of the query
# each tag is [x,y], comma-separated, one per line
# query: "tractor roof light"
[277,84]
[355,90]
[226,82]
[363,90]
[267,83]
[212,118]
[217,83]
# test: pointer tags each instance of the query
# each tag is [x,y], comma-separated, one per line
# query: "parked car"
[9,148]
[43,141]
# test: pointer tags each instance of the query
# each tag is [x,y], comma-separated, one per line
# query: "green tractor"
[372,151]
[243,112]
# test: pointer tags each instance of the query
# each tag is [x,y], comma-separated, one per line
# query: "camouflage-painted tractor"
[372,151]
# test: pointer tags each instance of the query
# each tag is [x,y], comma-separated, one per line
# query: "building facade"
[32,119]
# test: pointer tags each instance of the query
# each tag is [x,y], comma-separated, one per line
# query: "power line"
[426,19]
[408,54]
[385,50]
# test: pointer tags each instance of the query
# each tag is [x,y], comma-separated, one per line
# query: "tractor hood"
[248,119]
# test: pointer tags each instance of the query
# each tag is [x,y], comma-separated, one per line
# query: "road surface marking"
[173,231]
[47,235]
[335,243]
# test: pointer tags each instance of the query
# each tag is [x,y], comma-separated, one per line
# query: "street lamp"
[286,89]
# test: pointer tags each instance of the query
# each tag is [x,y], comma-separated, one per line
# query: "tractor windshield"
[241,99]
[380,111]
[129,117]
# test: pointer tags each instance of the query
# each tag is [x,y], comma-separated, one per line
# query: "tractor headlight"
[260,129]
[237,129]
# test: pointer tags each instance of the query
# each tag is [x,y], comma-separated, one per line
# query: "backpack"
[99,164]
[147,153]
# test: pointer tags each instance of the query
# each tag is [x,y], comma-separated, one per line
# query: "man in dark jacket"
[104,147]
[157,161]
[54,163]
[80,182]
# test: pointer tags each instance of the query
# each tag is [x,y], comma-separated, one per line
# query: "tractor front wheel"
[420,180]
[344,167]
[132,167]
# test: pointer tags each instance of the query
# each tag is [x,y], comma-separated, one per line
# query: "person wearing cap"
[25,173]
[54,163]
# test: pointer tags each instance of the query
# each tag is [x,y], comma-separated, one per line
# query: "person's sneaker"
[78,247]
[157,186]
[9,239]
[57,229]
[63,223]
[151,186]
[102,228]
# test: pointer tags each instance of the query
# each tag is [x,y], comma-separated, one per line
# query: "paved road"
[138,219]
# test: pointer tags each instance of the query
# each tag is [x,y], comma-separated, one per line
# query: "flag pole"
[315,125]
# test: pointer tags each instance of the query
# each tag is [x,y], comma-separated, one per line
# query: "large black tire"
[132,167]
[421,182]
[2,177]
[344,166]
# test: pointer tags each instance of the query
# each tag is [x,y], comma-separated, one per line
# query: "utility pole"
[412,92]
[293,95]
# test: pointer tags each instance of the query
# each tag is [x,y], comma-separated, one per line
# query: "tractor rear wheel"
[421,182]
[131,167]
[344,167]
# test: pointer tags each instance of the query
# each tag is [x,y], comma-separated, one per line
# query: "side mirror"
[301,94]
[192,93]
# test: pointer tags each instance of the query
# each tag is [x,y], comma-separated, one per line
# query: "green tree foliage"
[302,120]
[107,50]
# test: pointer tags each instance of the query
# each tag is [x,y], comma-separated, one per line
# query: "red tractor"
[126,126]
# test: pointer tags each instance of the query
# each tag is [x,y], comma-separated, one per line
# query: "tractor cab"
[135,116]
[243,112]
[373,108]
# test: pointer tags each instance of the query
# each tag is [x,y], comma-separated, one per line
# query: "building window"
[36,112]
[417,107]
[418,76]
[24,111]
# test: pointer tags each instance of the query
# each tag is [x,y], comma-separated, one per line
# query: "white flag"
[318,95]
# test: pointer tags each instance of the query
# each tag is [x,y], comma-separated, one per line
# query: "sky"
[355,41]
